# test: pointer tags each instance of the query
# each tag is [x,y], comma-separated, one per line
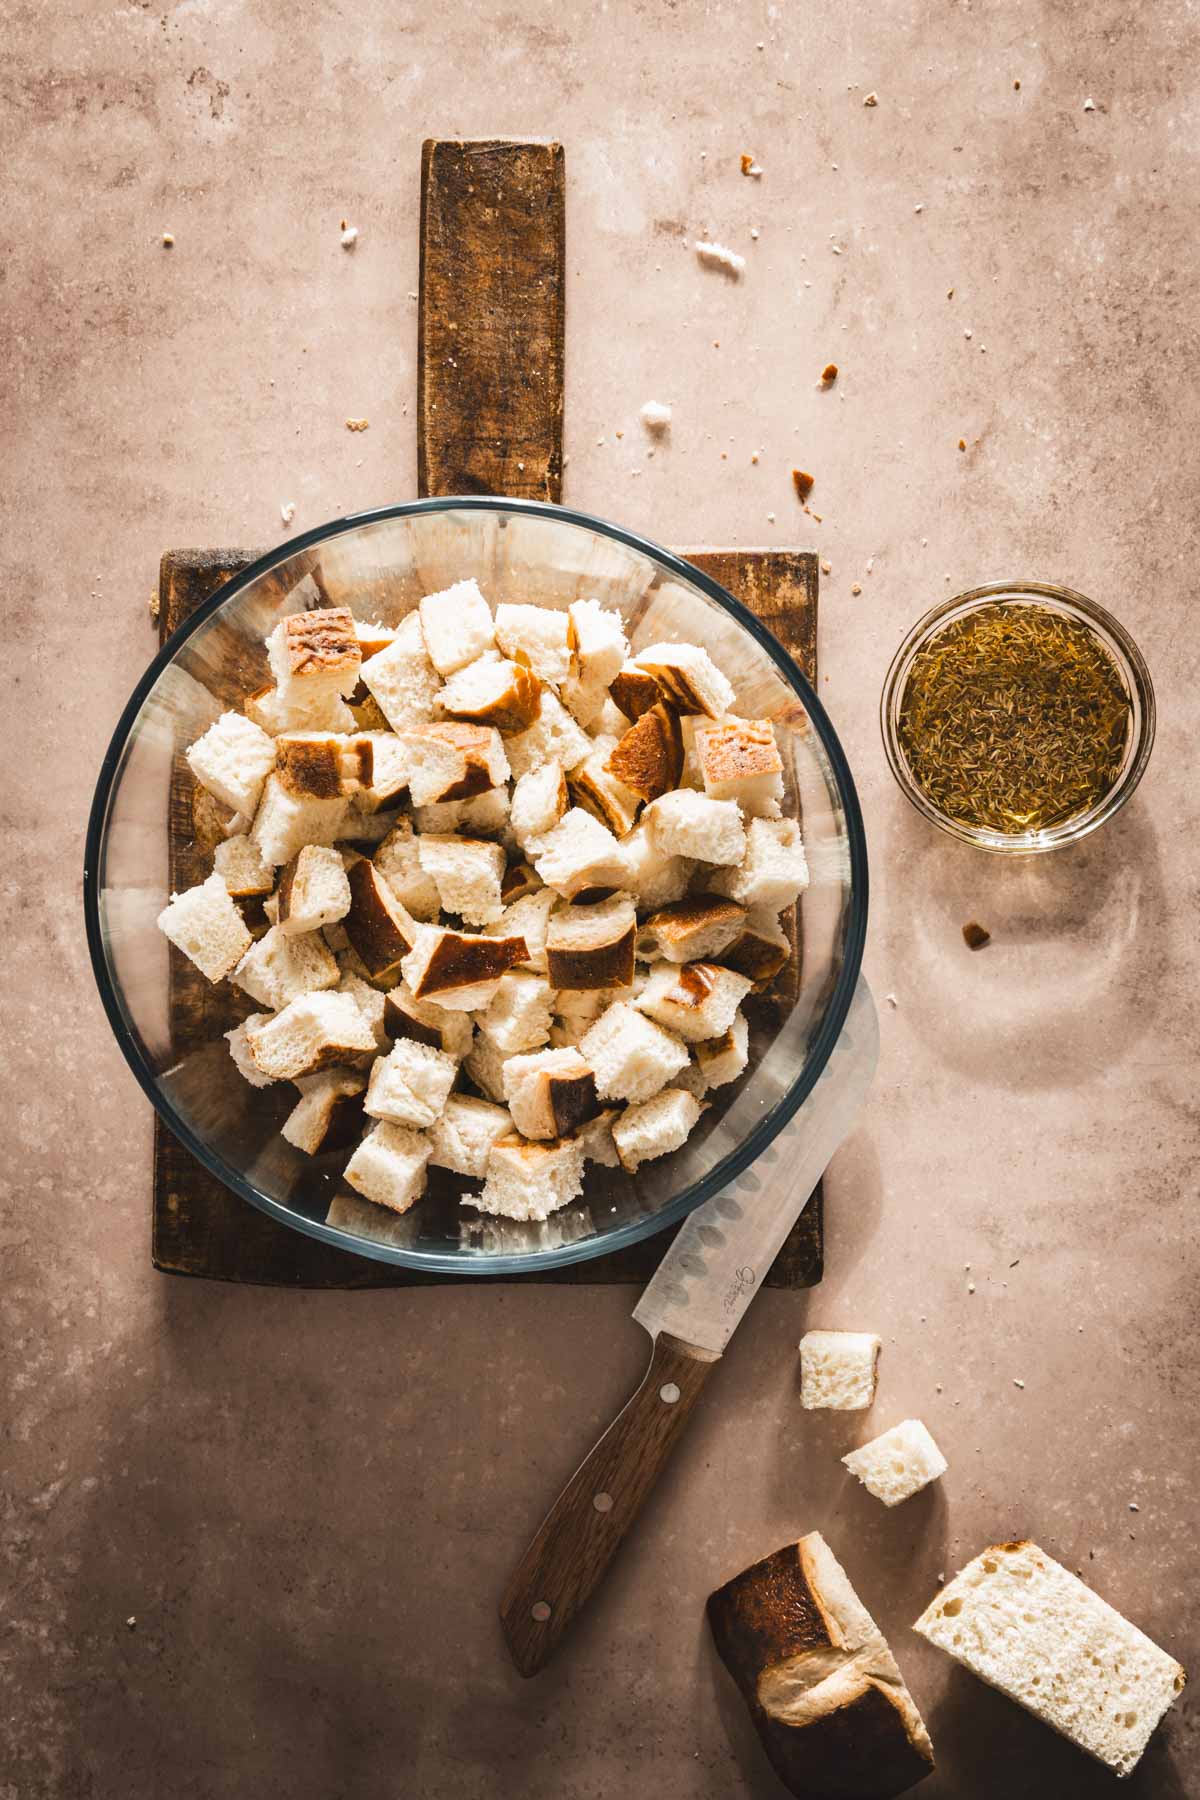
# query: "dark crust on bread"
[520,879]
[343,1122]
[374,925]
[591,896]
[398,1022]
[287,882]
[765,1615]
[323,767]
[678,687]
[321,642]
[515,707]
[682,919]
[578,968]
[572,1101]
[649,758]
[610,803]
[755,957]
[634,691]
[461,960]
[475,743]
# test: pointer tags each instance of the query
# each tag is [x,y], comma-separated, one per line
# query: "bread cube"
[689,678]
[594,787]
[313,891]
[239,1049]
[485,1066]
[630,1055]
[398,860]
[381,930]
[232,760]
[371,1004]
[317,1031]
[550,1093]
[402,680]
[329,1114]
[238,862]
[404,1016]
[597,640]
[576,1011]
[898,1463]
[500,693]
[449,761]
[579,853]
[1027,1626]
[722,1059]
[463,1137]
[285,823]
[837,1370]
[773,871]
[389,1166]
[760,949]
[691,1080]
[529,918]
[298,710]
[457,626]
[697,929]
[595,1138]
[592,946]
[409,1086]
[484,815]
[739,760]
[554,736]
[689,824]
[538,636]
[655,1127]
[315,655]
[654,879]
[457,969]
[468,873]
[694,1000]
[539,801]
[518,1016]
[531,1181]
[634,690]
[325,764]
[206,925]
[648,759]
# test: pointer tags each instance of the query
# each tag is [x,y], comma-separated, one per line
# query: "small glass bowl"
[1126,657]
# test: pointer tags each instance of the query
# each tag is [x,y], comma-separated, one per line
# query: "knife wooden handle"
[580,1535]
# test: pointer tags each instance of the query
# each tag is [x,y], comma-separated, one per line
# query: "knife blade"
[691,1308]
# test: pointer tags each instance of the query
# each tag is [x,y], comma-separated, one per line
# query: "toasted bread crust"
[322,642]
[634,690]
[461,960]
[572,1100]
[398,1022]
[343,1123]
[520,878]
[514,709]
[755,957]
[682,919]
[649,758]
[375,923]
[287,882]
[323,767]
[578,967]
[475,742]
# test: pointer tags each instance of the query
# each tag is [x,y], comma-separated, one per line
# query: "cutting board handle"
[581,1533]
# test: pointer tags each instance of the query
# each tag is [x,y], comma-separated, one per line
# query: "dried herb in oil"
[1014,719]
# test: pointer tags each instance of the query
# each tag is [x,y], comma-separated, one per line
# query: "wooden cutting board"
[490,408]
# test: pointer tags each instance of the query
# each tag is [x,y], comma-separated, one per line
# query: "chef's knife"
[691,1309]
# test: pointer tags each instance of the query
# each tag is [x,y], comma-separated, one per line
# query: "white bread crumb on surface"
[720,256]
[655,415]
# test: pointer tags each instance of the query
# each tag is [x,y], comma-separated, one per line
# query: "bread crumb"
[826,567]
[1089,106]
[970,1287]
[855,587]
[131,1621]
[357,424]
[975,936]
[749,166]
[803,483]
[1017,1383]
[754,232]
[155,603]
[872,99]
[287,511]
[870,564]
[168,240]
[721,256]
[1017,86]
[829,374]
[962,444]
[1133,1506]
[770,518]
[891,1000]
[919,207]
[349,235]
[655,415]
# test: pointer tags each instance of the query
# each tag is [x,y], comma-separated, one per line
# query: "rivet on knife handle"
[581,1533]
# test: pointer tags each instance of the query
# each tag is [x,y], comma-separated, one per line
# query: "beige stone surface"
[309,1504]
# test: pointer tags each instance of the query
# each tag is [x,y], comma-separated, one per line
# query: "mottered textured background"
[308,1503]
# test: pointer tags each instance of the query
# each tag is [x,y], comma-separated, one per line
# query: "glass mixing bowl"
[380,564]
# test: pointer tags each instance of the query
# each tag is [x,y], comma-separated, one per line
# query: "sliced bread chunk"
[409,1086]
[404,1016]
[389,1166]
[518,1017]
[597,641]
[371,1003]
[594,787]
[722,1059]
[485,1067]
[238,861]
[458,969]
[898,1463]
[760,949]
[693,930]
[501,693]
[373,637]
[634,690]
[398,860]
[773,871]
[655,1127]
[239,1049]
[578,854]
[279,968]
[554,736]
[630,1055]
[329,1114]
[837,1370]
[529,917]
[468,873]
[232,760]
[739,760]
[402,680]
[654,879]
[538,636]
[689,677]
[206,925]
[463,1137]
[823,1689]
[576,1011]
[695,1000]
[285,822]
[314,890]
[315,654]
[298,710]
[483,815]
[379,927]
[457,626]
[539,800]
[592,946]
[388,784]
[550,1093]
[689,824]
[450,761]
[325,764]
[595,1137]
[531,1181]
[648,760]
[317,1031]
[1027,1626]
